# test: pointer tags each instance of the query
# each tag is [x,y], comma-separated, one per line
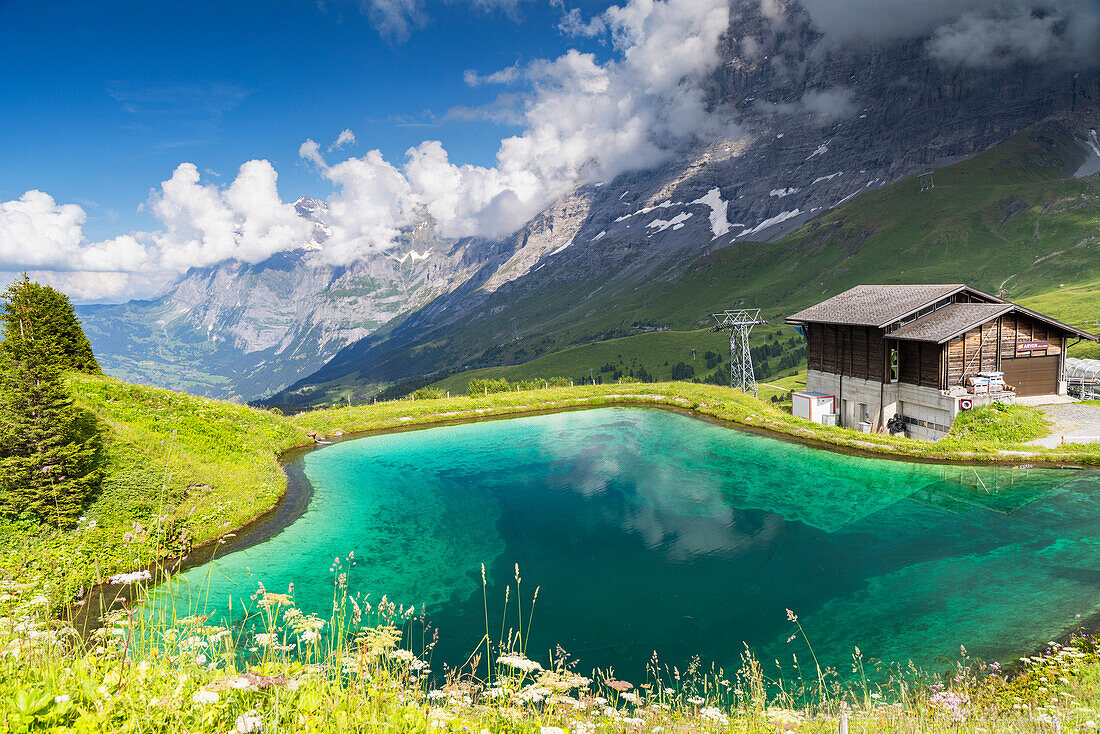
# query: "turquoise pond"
[653,531]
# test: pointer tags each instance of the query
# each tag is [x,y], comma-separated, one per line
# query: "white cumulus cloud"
[980,33]
[583,120]
[343,140]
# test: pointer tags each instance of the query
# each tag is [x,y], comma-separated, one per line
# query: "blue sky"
[101,101]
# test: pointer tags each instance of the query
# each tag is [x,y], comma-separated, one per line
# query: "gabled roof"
[1055,322]
[880,306]
[877,305]
[950,321]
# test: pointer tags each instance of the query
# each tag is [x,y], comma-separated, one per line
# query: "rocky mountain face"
[241,330]
[809,127]
[799,127]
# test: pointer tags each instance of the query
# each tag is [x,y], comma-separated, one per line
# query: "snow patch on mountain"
[1092,164]
[411,255]
[560,249]
[771,222]
[821,150]
[830,177]
[677,222]
[666,204]
[780,193]
[719,210]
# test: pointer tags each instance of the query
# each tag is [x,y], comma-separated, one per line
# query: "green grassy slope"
[181,471]
[1012,216]
[655,352]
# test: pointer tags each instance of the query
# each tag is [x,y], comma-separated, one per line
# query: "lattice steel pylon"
[737,324]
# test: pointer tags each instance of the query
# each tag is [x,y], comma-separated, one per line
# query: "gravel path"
[1072,423]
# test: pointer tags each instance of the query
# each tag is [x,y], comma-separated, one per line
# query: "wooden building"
[909,349]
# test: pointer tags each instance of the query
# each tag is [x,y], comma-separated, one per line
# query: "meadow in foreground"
[369,667]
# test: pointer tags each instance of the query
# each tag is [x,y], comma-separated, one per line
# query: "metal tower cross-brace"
[737,324]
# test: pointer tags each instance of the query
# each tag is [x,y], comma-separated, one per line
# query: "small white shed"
[812,406]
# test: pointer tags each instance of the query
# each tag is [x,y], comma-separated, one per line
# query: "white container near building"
[812,406]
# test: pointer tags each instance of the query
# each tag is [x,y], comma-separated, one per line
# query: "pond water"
[653,531]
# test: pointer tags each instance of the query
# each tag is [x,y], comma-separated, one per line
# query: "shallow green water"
[651,531]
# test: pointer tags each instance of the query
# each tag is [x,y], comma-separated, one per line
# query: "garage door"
[1032,375]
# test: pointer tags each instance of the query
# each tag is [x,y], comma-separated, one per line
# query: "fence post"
[1057,725]
[844,720]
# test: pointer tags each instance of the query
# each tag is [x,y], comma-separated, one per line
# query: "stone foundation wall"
[927,411]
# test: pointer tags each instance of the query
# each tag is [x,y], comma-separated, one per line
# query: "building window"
[894,364]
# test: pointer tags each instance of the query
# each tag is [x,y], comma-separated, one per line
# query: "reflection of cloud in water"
[686,537]
[666,501]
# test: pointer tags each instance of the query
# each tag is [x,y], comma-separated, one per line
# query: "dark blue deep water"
[652,531]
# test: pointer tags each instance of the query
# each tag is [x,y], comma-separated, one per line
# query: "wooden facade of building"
[934,336]
[868,353]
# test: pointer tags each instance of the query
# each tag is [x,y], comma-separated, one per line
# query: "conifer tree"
[51,451]
[56,324]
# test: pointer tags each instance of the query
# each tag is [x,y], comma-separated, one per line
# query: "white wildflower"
[250,722]
[710,713]
[205,697]
[129,578]
[520,663]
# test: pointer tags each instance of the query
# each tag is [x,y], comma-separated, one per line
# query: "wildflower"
[265,638]
[520,663]
[239,683]
[562,681]
[711,713]
[250,722]
[551,730]
[955,705]
[783,719]
[534,694]
[695,700]
[205,697]
[129,578]
[269,599]
[620,685]
[62,698]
